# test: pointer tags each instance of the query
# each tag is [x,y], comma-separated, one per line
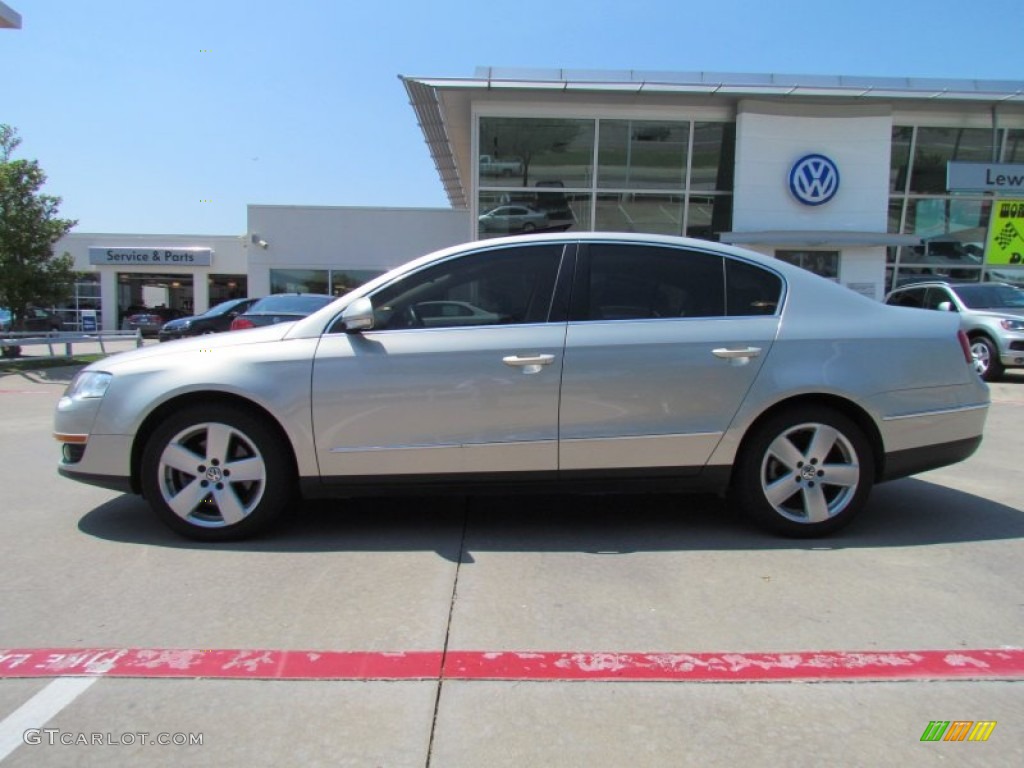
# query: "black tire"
[987,354]
[11,352]
[189,482]
[803,449]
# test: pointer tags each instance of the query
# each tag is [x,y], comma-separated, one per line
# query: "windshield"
[991,296]
[220,309]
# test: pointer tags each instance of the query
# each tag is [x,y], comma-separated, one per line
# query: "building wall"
[770,138]
[310,237]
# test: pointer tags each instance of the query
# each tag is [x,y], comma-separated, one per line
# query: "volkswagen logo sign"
[814,180]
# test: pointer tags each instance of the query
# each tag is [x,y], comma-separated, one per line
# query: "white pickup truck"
[490,166]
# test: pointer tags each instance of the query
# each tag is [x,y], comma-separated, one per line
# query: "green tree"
[30,273]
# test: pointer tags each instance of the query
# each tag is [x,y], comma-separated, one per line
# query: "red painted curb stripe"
[737,667]
[509,665]
[195,663]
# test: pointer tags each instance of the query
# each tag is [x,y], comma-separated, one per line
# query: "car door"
[454,396]
[662,345]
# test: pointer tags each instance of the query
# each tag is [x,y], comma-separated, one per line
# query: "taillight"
[965,345]
[241,323]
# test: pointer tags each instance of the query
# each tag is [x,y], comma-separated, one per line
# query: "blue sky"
[168,117]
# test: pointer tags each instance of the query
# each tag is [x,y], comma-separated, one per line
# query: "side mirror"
[945,306]
[358,316]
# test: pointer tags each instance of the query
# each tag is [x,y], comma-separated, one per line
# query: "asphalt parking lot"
[559,604]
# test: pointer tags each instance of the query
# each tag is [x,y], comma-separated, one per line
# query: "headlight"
[88,384]
[1012,325]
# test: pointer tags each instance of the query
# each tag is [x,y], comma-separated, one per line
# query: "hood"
[194,344]
[1002,311]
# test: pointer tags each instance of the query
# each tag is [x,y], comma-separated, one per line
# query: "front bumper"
[103,460]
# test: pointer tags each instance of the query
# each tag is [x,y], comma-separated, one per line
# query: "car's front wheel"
[985,352]
[215,473]
[804,472]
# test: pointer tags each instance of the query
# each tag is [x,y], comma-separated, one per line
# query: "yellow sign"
[1006,233]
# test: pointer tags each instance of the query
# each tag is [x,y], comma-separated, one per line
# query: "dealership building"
[870,182]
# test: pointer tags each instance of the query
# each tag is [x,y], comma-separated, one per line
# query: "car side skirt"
[650,479]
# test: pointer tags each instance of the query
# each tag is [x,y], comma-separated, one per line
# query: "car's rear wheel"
[985,352]
[804,472]
[216,473]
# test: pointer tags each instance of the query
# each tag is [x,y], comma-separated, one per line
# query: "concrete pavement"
[934,563]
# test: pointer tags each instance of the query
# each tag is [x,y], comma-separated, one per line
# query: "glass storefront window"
[895,215]
[909,275]
[1011,275]
[708,215]
[330,281]
[714,149]
[520,152]
[540,175]
[952,230]
[299,281]
[224,287]
[824,263]
[1014,152]
[937,146]
[636,154]
[345,280]
[627,212]
[518,212]
[899,162]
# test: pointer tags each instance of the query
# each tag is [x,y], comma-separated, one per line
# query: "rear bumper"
[913,460]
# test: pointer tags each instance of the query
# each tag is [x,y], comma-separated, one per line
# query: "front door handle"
[733,354]
[529,363]
[517,361]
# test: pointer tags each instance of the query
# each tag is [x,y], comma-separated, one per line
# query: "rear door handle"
[732,354]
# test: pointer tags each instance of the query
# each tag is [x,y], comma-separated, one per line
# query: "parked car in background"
[512,218]
[492,166]
[36,319]
[616,362]
[443,313]
[214,320]
[280,308]
[992,315]
[150,321]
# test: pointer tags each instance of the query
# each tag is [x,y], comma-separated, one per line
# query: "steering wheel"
[411,318]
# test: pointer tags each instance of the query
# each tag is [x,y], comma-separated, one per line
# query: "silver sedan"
[612,362]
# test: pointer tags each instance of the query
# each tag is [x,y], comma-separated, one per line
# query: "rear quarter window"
[750,290]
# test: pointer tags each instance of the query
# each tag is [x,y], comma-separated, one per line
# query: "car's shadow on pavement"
[903,513]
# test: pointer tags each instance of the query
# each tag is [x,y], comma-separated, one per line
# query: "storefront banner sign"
[1006,233]
[142,257]
[984,177]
